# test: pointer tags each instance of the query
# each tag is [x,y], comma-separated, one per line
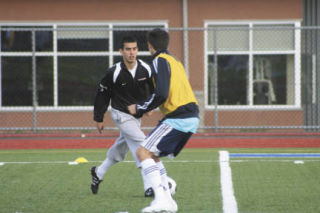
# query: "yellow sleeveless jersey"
[180,91]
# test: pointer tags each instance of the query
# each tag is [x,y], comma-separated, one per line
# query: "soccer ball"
[172,185]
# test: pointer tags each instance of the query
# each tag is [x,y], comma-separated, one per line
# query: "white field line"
[170,161]
[127,161]
[274,160]
[229,203]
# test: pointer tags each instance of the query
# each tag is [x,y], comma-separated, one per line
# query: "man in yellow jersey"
[174,96]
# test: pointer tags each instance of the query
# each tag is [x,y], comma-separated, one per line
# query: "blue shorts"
[164,140]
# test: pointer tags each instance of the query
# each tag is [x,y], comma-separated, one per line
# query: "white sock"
[104,167]
[152,173]
[163,175]
[146,182]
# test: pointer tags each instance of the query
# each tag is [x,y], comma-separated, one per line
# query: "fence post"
[185,37]
[215,73]
[34,82]
[317,74]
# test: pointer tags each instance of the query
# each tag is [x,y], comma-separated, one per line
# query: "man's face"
[129,52]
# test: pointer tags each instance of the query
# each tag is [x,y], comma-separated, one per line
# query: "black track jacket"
[122,89]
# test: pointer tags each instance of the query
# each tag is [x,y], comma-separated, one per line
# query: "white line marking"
[270,160]
[72,162]
[229,203]
[170,161]
[298,162]
[35,162]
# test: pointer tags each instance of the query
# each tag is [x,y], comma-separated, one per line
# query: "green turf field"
[33,181]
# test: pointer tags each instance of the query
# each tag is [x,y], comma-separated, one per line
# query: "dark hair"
[128,39]
[158,38]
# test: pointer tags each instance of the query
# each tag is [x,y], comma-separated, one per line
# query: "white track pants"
[130,138]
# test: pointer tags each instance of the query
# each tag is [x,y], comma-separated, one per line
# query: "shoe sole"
[159,211]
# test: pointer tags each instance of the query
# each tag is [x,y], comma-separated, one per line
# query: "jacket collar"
[123,66]
[159,52]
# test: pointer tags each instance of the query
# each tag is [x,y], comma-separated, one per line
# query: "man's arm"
[161,71]
[102,100]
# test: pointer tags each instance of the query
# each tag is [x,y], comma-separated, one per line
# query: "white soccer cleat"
[174,205]
[163,206]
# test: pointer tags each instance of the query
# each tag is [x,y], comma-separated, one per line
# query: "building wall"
[245,9]
[199,11]
[95,11]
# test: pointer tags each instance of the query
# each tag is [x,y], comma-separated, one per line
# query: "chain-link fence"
[252,77]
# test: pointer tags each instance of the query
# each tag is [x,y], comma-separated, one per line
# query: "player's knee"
[155,158]
[143,153]
[117,157]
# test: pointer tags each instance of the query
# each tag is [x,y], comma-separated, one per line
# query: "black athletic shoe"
[95,181]
[149,192]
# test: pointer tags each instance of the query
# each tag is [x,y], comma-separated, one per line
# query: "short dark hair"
[158,38]
[128,39]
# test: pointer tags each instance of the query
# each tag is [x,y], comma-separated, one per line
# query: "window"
[78,77]
[70,60]
[256,64]
[18,39]
[16,81]
[83,38]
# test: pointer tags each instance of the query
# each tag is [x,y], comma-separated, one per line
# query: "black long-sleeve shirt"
[119,86]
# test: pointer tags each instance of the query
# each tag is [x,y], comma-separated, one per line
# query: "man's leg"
[163,200]
[163,175]
[148,191]
[151,171]
[116,153]
[164,140]
[148,155]
[134,136]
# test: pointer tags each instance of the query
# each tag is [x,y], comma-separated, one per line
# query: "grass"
[50,185]
[275,186]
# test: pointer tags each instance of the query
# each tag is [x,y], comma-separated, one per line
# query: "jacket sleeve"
[161,74]
[103,97]
[149,86]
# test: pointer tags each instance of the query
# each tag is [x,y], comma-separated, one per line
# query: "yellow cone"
[81,160]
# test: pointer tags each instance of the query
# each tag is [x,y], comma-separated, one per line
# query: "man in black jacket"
[125,83]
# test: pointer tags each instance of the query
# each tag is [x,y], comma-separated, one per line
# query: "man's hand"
[132,109]
[149,113]
[100,127]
